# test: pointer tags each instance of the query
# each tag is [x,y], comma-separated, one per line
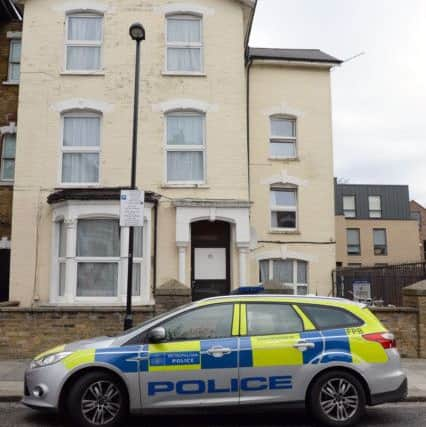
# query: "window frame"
[185,148]
[283,139]
[181,45]
[281,208]
[376,246]
[11,63]
[359,242]
[295,283]
[3,158]
[372,211]
[352,196]
[80,149]
[84,43]
[289,304]
[339,326]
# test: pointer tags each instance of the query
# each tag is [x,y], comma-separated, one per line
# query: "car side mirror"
[157,335]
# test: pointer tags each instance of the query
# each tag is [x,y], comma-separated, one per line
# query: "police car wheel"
[337,399]
[97,399]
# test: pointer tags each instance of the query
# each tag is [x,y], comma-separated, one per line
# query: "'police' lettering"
[190,387]
[160,387]
[245,384]
[211,387]
[280,383]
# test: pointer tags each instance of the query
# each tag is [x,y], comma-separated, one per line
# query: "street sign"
[132,208]
[361,290]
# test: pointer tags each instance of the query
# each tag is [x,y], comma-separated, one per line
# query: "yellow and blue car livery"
[234,370]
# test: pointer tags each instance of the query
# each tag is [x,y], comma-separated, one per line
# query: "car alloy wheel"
[101,402]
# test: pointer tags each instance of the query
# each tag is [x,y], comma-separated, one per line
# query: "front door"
[197,364]
[210,272]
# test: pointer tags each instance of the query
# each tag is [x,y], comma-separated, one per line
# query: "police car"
[331,356]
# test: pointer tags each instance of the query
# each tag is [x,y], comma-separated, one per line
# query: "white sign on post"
[132,208]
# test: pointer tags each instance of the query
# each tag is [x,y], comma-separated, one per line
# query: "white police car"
[331,355]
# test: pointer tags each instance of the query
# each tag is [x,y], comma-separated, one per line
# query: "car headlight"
[50,359]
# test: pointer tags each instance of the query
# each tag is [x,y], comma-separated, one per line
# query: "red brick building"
[10,53]
[418,212]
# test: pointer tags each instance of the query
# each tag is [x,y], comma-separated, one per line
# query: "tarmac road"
[403,414]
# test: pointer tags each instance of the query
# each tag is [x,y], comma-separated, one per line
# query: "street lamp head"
[137,32]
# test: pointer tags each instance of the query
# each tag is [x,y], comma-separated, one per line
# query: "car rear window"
[326,317]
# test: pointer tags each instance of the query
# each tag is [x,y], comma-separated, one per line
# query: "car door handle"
[304,345]
[219,351]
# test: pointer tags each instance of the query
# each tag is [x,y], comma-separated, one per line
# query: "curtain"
[84,28]
[136,279]
[62,246]
[184,30]
[353,237]
[264,271]
[138,242]
[283,149]
[82,167]
[81,131]
[283,271]
[284,197]
[184,59]
[98,238]
[302,272]
[185,166]
[82,58]
[283,128]
[97,279]
[62,272]
[379,237]
[185,130]
[374,202]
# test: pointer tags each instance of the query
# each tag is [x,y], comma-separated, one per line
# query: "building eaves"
[293,55]
[10,11]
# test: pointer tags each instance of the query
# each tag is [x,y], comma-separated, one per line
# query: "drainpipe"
[249,64]
[154,267]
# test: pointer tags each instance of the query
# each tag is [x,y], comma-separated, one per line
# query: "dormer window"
[184,44]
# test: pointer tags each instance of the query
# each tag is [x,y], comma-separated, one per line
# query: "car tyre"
[337,399]
[97,399]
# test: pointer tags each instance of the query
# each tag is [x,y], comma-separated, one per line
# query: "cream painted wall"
[303,92]
[402,240]
[45,88]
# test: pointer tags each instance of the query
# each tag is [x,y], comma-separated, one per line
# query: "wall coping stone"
[417,289]
[76,309]
[394,309]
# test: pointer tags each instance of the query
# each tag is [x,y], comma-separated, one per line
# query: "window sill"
[7,183]
[10,83]
[183,74]
[284,231]
[59,186]
[285,159]
[201,186]
[83,73]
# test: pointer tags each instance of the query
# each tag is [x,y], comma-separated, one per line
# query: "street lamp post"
[137,33]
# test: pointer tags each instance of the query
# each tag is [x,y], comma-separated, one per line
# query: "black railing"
[386,282]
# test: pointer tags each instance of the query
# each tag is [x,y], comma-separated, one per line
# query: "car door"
[197,364]
[274,339]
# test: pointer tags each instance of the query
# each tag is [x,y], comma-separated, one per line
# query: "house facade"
[234,155]
[10,48]
[374,226]
[418,213]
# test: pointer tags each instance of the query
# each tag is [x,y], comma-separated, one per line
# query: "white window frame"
[182,45]
[2,157]
[13,41]
[184,148]
[70,213]
[83,43]
[371,211]
[281,208]
[80,149]
[283,139]
[349,210]
[293,285]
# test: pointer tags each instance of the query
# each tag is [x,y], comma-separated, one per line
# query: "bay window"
[282,143]
[290,273]
[283,205]
[81,148]
[185,148]
[84,35]
[184,49]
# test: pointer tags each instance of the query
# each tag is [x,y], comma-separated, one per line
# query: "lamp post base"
[128,321]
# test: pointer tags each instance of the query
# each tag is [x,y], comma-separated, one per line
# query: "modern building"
[374,226]
[235,155]
[10,52]
[418,213]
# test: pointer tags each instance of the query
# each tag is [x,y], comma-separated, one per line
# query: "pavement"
[12,375]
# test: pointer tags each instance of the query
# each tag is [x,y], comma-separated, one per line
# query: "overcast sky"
[379,99]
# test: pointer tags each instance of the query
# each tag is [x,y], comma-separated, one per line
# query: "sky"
[379,98]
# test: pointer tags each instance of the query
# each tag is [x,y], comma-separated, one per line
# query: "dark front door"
[4,274]
[210,259]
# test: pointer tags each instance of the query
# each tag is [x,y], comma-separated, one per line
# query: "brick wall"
[416,207]
[6,195]
[403,322]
